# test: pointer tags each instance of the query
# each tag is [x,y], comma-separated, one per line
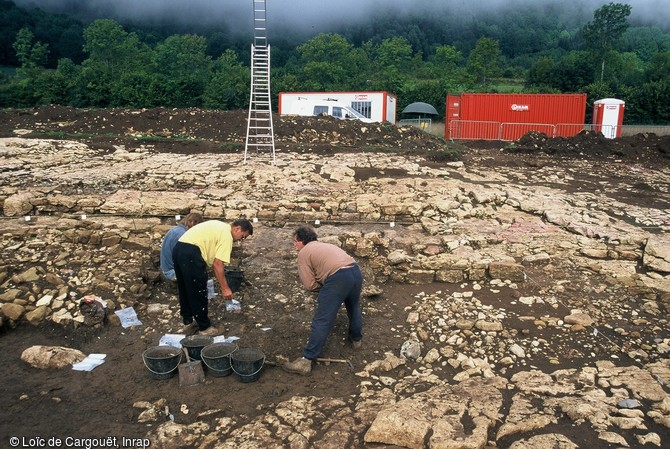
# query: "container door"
[452,119]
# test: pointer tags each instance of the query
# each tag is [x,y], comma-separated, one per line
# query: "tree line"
[54,59]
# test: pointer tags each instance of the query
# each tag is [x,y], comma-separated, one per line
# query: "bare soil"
[62,403]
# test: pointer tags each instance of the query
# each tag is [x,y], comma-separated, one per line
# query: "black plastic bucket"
[162,361]
[194,345]
[216,358]
[234,278]
[247,364]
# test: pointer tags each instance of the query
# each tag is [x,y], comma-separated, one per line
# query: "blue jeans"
[343,286]
[170,275]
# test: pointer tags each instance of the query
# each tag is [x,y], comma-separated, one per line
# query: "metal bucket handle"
[252,374]
[160,374]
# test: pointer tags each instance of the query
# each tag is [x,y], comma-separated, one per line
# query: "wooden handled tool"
[348,362]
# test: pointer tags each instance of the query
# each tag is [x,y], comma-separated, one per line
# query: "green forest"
[55,59]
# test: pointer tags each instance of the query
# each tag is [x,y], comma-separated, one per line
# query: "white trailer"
[365,106]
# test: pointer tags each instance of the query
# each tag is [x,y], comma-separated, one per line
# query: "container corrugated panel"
[517,114]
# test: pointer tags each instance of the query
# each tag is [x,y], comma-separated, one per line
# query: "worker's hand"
[226,293]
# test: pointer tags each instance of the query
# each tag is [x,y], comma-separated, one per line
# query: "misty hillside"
[521,26]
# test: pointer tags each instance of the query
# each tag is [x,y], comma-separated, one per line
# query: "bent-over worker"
[327,269]
[208,244]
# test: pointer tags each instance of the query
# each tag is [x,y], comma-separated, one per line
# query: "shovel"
[190,373]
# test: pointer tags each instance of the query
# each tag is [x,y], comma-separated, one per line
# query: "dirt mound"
[646,147]
[199,130]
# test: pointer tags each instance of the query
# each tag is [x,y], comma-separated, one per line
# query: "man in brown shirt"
[330,271]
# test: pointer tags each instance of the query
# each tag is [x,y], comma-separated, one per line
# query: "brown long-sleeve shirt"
[318,260]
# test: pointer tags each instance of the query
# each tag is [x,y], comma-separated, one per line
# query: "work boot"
[190,328]
[211,331]
[300,366]
[356,344]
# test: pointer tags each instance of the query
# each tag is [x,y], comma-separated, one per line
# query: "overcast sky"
[318,15]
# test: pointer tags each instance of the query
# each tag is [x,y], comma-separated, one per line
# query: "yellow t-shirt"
[214,239]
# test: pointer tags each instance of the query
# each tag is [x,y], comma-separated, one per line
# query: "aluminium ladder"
[260,132]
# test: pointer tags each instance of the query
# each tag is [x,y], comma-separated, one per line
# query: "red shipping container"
[510,116]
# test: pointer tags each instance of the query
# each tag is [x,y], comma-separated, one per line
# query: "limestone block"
[657,254]
[13,311]
[38,315]
[545,441]
[580,318]
[9,295]
[51,356]
[450,276]
[32,274]
[19,204]
[420,276]
[507,270]
[132,202]
[476,274]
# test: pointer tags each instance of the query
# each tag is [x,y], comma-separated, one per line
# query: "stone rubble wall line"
[606,240]
[421,269]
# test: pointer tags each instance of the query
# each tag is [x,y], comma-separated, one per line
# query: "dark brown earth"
[48,403]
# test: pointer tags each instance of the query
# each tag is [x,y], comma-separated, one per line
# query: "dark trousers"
[191,272]
[343,286]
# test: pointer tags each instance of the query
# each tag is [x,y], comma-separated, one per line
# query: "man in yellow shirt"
[208,244]
[327,269]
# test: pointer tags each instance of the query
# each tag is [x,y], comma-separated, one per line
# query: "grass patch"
[449,155]
[175,138]
[63,135]
[231,147]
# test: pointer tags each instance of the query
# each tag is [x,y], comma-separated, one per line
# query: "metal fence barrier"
[487,130]
[423,123]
